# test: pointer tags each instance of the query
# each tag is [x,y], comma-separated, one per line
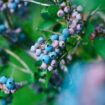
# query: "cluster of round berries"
[12,5]
[4,57]
[74,17]
[15,36]
[99,30]
[8,85]
[50,54]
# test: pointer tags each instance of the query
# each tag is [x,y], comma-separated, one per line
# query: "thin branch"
[75,48]
[38,3]
[52,32]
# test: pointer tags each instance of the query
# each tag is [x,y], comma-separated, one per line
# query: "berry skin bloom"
[10,84]
[2,28]
[53,55]
[12,6]
[46,59]
[67,9]
[62,38]
[54,37]
[60,13]
[62,44]
[49,48]
[66,32]
[3,80]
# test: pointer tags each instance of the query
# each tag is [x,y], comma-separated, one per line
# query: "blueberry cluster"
[73,16]
[51,53]
[12,5]
[99,30]
[7,85]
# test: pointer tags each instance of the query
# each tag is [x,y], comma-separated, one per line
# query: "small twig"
[101,15]
[51,32]
[19,68]
[93,13]
[38,3]
[75,48]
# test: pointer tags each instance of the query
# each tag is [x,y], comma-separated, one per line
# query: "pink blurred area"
[88,88]
[93,82]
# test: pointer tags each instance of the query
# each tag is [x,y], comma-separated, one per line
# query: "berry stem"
[38,3]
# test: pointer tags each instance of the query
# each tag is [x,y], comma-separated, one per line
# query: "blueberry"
[41,40]
[3,102]
[12,5]
[54,37]
[66,32]
[36,45]
[63,4]
[41,56]
[79,8]
[3,80]
[62,38]
[17,1]
[60,13]
[10,84]
[2,28]
[58,51]
[53,63]
[62,44]
[50,68]
[67,9]
[46,59]
[38,52]
[53,55]
[43,66]
[21,37]
[49,48]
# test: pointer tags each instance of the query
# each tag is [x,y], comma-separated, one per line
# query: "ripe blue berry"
[4,102]
[49,48]
[66,32]
[54,37]
[2,28]
[62,38]
[10,84]
[53,55]
[41,56]
[21,37]
[3,80]
[12,6]
[46,59]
